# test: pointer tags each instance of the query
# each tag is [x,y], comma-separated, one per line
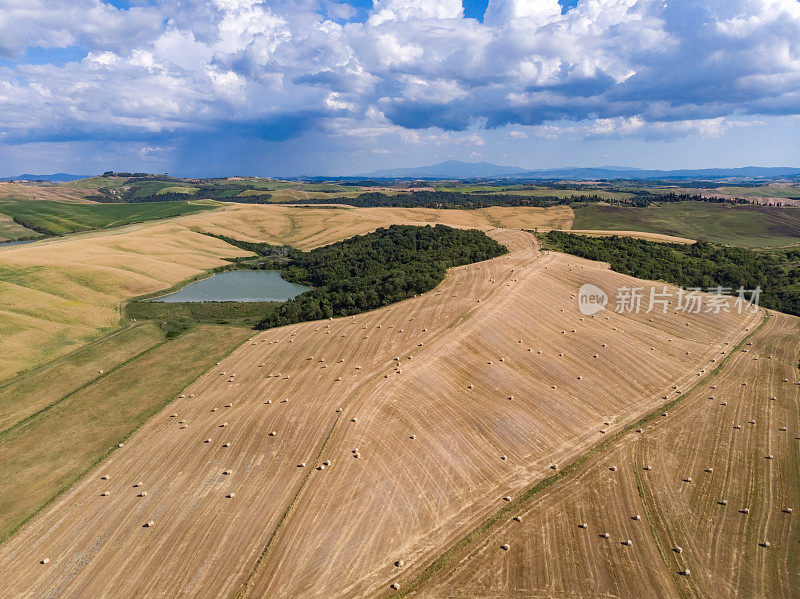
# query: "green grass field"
[774,191]
[58,218]
[9,230]
[27,393]
[44,453]
[178,189]
[746,226]
[95,182]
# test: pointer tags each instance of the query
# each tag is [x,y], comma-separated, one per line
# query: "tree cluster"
[374,270]
[701,264]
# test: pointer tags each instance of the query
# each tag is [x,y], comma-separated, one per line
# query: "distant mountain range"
[56,178]
[451,169]
[454,169]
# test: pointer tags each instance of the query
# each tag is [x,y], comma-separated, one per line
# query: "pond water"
[237,286]
[5,243]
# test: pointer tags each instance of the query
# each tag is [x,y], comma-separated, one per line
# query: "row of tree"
[701,264]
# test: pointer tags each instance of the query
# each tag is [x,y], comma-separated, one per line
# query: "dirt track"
[336,532]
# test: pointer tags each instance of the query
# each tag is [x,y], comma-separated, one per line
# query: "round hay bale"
[788,510]
[226,472]
[138,484]
[678,549]
[627,542]
[688,479]
[150,524]
[399,563]
[230,495]
[636,517]
[223,425]
[605,535]
[413,437]
[506,498]
[45,561]
[686,572]
[105,477]
[394,586]
[505,547]
[356,455]
[120,445]
[226,444]
[613,468]
[745,510]
[142,494]
[272,433]
[723,502]
[207,440]
[503,457]
[765,544]
[105,493]
[354,419]
[583,525]
[517,518]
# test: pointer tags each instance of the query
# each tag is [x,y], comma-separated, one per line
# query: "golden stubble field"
[56,193]
[58,294]
[257,484]
[714,484]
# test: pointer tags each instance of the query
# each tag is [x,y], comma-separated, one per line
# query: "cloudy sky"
[289,87]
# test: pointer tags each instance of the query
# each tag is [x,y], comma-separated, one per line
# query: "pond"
[237,286]
[20,242]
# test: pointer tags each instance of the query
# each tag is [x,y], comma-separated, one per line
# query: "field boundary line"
[87,384]
[247,584]
[640,487]
[102,457]
[446,558]
[29,373]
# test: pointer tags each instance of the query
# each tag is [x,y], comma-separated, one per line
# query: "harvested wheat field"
[334,458]
[61,293]
[714,484]
[57,294]
[307,227]
[56,193]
